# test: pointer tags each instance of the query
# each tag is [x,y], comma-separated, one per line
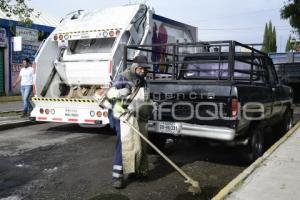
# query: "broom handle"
[181,172]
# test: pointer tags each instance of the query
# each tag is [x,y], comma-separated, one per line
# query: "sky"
[240,20]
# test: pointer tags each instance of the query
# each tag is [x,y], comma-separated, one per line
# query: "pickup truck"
[221,90]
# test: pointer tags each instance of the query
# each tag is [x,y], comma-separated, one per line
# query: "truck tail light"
[47,111]
[234,107]
[105,34]
[111,33]
[105,114]
[92,113]
[99,114]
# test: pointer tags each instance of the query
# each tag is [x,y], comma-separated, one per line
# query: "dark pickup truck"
[222,90]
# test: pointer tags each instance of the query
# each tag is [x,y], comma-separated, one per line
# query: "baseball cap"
[141,60]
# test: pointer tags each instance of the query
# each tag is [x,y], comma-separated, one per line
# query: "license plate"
[71,113]
[168,127]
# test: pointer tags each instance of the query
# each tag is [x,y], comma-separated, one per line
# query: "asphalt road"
[51,161]
[54,161]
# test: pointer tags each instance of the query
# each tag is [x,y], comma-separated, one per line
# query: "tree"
[18,8]
[273,41]
[269,41]
[291,11]
[289,45]
[266,39]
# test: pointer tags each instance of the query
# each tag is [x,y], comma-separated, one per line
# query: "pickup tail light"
[234,107]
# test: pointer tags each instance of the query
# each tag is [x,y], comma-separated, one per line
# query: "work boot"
[24,114]
[118,183]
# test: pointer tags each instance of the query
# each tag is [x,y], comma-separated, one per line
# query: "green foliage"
[265,40]
[269,40]
[17,8]
[273,41]
[289,45]
[291,11]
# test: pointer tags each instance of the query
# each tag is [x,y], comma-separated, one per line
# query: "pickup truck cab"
[224,91]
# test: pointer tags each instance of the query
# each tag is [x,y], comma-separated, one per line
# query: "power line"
[242,28]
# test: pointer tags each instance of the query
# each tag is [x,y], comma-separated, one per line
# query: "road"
[55,161]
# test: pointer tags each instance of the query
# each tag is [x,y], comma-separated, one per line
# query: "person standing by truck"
[26,79]
[130,152]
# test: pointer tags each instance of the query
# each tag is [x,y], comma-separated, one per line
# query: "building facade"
[32,37]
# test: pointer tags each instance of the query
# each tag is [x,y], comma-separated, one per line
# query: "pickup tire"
[256,145]
[287,122]
[158,140]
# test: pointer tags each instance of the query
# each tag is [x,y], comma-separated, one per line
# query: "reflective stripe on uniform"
[117,175]
[117,167]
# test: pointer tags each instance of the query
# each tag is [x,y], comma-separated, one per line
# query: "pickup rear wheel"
[283,125]
[256,144]
[287,122]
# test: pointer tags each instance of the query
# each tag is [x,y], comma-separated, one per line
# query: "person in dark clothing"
[123,89]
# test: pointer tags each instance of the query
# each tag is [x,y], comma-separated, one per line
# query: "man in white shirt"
[26,79]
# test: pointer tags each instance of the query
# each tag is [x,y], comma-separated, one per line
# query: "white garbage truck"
[76,64]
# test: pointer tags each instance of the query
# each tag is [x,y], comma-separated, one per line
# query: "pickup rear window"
[99,45]
[206,70]
[213,69]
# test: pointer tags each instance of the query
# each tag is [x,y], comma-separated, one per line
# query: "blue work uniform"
[128,80]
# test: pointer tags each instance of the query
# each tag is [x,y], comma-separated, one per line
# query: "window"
[99,45]
[273,76]
[244,72]
[208,70]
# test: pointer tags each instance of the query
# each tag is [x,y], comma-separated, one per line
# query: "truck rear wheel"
[256,145]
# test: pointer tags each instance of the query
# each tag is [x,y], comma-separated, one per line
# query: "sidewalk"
[10,106]
[10,112]
[276,175]
[10,103]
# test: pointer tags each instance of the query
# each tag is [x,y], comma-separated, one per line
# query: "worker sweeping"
[131,111]
[127,97]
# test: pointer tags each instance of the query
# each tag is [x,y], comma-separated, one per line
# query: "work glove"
[118,110]
[114,93]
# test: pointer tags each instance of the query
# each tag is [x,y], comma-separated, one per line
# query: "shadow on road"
[76,128]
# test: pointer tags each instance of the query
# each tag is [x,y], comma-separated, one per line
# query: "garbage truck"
[77,62]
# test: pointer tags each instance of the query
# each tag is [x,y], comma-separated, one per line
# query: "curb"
[232,185]
[10,98]
[10,113]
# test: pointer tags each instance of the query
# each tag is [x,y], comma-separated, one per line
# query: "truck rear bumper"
[79,111]
[201,131]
